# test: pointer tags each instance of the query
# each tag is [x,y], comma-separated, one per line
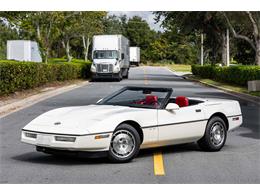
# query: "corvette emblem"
[57,123]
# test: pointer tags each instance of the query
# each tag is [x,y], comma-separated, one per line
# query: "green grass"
[227,86]
[180,67]
[173,67]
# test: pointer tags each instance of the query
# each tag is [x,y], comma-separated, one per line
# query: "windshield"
[105,54]
[138,97]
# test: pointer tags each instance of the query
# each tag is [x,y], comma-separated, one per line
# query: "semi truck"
[23,50]
[134,56]
[110,54]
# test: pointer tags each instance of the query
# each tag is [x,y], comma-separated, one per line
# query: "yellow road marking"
[157,157]
[158,164]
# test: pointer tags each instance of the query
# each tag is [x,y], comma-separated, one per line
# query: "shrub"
[16,76]
[238,75]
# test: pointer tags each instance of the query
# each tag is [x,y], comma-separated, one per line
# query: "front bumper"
[105,75]
[81,142]
[72,153]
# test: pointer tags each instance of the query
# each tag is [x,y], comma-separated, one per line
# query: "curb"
[253,99]
[31,100]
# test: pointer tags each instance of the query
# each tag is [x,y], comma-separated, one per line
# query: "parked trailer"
[110,56]
[135,56]
[23,50]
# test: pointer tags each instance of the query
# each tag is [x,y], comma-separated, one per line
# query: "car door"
[187,124]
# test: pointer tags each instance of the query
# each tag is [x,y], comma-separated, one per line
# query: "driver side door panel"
[181,126]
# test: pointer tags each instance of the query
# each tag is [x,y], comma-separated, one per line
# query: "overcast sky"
[148,16]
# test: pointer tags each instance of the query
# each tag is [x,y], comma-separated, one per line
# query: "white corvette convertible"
[133,118]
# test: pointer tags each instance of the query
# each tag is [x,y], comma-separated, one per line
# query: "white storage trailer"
[135,56]
[110,56]
[23,50]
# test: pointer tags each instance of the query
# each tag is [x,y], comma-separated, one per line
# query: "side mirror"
[99,100]
[172,106]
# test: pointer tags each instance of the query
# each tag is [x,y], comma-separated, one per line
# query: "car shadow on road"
[41,158]
[68,160]
[173,149]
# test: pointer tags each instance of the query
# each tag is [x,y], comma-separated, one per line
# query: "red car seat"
[151,100]
[182,101]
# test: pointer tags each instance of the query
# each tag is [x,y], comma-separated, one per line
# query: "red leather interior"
[182,101]
[151,100]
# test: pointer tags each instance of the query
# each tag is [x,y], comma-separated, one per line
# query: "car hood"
[74,120]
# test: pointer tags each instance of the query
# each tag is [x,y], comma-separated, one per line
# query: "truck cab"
[110,57]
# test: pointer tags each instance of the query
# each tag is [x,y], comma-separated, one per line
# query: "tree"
[91,23]
[139,32]
[247,30]
[114,25]
[6,33]
[173,46]
[68,29]
[209,23]
[39,26]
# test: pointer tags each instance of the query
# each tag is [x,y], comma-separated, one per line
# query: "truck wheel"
[215,135]
[125,144]
[127,72]
[119,76]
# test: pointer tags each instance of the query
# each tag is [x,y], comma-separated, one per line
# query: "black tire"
[124,130]
[209,142]
[126,76]
[119,76]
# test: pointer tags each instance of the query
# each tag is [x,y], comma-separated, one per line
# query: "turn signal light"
[101,136]
[30,135]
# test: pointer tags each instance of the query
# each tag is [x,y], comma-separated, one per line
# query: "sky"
[146,15]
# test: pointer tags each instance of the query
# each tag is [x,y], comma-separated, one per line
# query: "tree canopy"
[69,34]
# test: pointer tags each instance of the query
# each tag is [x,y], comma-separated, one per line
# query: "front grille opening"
[104,68]
[65,139]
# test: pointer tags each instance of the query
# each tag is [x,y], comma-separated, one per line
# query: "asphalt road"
[237,162]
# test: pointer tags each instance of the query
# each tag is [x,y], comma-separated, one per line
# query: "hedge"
[15,76]
[238,75]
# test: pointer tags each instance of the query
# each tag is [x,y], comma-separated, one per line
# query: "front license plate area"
[43,140]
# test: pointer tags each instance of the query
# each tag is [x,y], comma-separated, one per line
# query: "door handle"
[198,110]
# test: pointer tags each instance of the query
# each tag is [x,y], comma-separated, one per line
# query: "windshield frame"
[95,51]
[162,106]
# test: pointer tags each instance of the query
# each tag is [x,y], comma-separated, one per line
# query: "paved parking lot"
[237,162]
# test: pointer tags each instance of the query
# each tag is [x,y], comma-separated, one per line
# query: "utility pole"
[201,49]
[227,47]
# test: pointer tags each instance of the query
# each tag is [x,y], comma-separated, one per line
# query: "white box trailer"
[135,56]
[110,54]
[23,50]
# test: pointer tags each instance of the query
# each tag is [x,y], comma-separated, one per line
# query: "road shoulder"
[17,104]
[250,98]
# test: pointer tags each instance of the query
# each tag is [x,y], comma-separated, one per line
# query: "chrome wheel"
[122,144]
[217,134]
